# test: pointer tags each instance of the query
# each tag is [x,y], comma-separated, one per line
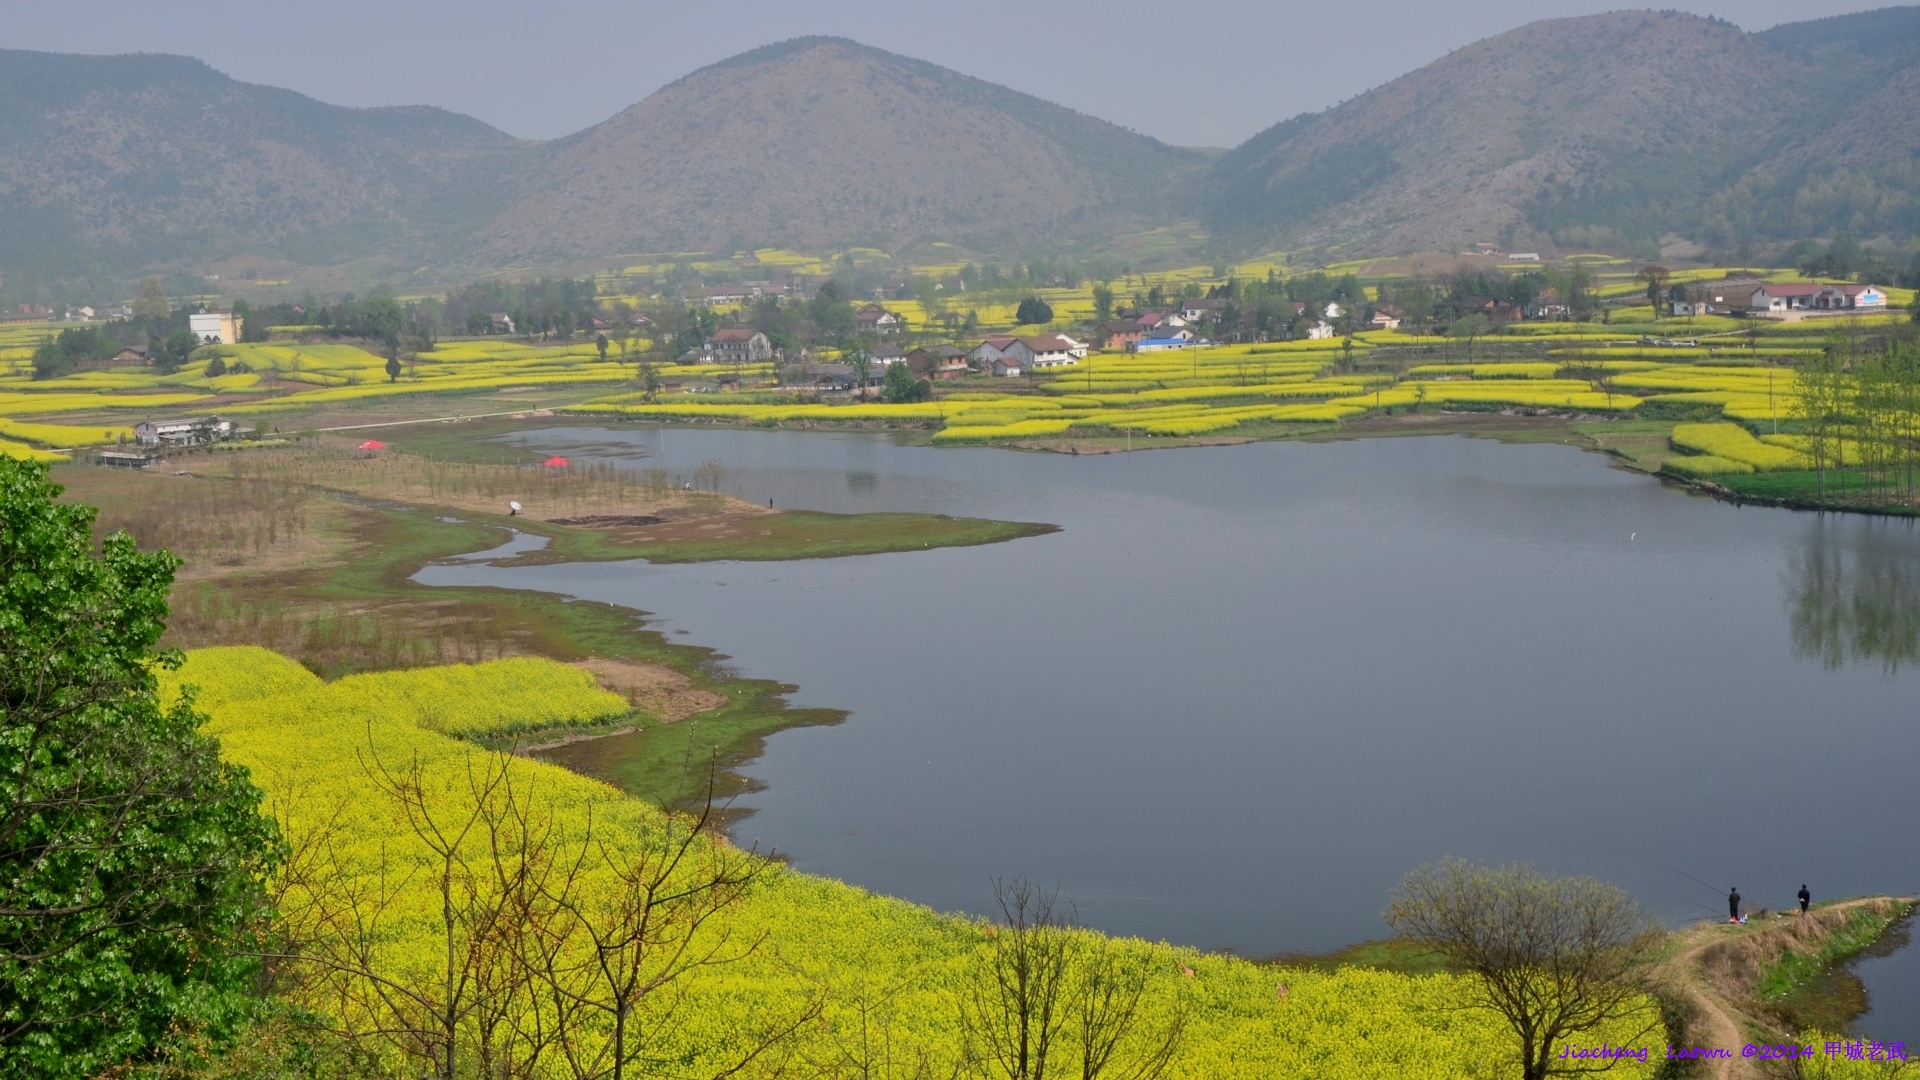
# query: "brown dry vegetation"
[544,494]
[258,548]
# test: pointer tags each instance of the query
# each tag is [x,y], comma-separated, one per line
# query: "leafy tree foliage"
[1554,956]
[900,387]
[1033,310]
[131,856]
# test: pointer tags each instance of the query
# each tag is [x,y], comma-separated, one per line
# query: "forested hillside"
[1604,131]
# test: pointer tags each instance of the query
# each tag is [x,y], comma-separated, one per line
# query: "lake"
[1245,688]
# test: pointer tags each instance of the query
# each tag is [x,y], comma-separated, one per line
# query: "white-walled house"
[982,356]
[215,327]
[1047,350]
[1320,331]
[1816,296]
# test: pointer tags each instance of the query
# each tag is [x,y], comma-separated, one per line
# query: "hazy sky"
[1200,72]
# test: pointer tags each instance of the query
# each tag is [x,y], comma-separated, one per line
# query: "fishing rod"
[1689,877]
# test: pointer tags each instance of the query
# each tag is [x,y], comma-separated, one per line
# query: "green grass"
[790,534]
[1845,490]
[1794,970]
[665,763]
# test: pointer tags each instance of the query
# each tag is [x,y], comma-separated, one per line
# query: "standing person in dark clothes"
[1733,904]
[1805,898]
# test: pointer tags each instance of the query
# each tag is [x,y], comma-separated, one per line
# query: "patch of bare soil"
[661,691]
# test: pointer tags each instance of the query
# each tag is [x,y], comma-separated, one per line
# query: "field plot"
[347,765]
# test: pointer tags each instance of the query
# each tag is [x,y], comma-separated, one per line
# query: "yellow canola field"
[1732,442]
[1532,393]
[317,751]
[61,435]
[1540,369]
[9,448]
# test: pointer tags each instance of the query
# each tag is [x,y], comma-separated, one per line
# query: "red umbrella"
[372,444]
[556,462]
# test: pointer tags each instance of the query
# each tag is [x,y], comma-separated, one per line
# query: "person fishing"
[1805,899]
[1733,904]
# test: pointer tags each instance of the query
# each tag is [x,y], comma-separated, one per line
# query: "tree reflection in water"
[1853,594]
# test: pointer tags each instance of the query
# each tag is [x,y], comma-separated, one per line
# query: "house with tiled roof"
[741,345]
[874,319]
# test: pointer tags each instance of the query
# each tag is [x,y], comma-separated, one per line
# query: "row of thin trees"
[568,947]
[1859,410]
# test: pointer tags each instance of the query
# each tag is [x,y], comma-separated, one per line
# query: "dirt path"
[1714,967]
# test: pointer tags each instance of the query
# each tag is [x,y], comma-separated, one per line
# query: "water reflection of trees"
[1853,594]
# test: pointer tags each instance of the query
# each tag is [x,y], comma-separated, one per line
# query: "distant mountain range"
[1603,131]
[1606,131]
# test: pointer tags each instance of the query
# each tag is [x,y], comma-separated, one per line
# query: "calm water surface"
[1245,688]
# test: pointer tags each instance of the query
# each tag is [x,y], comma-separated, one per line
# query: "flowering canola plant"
[321,751]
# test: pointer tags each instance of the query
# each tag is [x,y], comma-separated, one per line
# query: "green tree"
[1102,302]
[1656,278]
[1469,327]
[131,856]
[861,361]
[900,387]
[150,300]
[1554,956]
[217,366]
[1033,310]
[600,344]
[393,361]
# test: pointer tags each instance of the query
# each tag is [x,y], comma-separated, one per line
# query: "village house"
[499,322]
[1154,321]
[1118,335]
[885,356]
[713,295]
[937,362]
[1008,366]
[1196,310]
[1177,338]
[982,356]
[874,319]
[192,431]
[216,327]
[639,320]
[741,345]
[1047,350]
[1815,296]
[830,378]
[80,314]
[1386,317]
[1319,331]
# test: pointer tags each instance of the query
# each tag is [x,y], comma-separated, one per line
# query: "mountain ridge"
[1604,131]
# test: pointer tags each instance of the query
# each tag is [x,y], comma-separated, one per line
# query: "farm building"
[1008,366]
[1119,335]
[937,362]
[741,345]
[874,319]
[1172,339]
[1815,296]
[885,356]
[984,354]
[191,431]
[215,327]
[1047,350]
[499,322]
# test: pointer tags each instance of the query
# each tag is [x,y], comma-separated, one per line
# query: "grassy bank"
[1811,989]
